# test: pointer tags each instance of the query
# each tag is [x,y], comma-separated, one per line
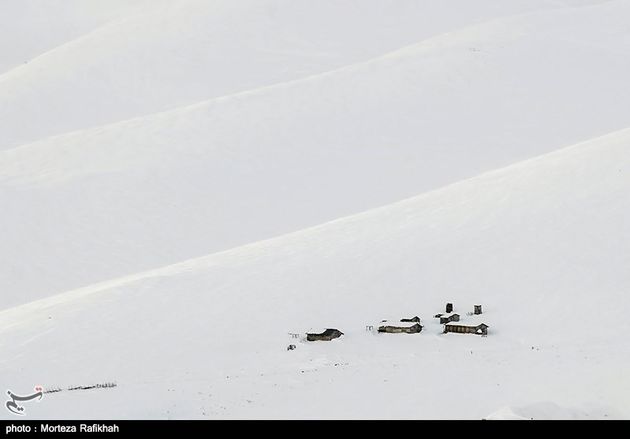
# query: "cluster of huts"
[449,318]
[451,322]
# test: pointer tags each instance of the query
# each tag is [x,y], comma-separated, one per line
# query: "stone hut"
[394,327]
[479,329]
[450,317]
[327,335]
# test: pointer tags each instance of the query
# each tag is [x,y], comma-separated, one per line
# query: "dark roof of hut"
[328,331]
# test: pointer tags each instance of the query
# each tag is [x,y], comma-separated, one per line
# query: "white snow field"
[152,56]
[31,28]
[322,118]
[542,245]
[185,183]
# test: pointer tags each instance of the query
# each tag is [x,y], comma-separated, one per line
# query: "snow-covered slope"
[30,28]
[166,53]
[542,244]
[114,200]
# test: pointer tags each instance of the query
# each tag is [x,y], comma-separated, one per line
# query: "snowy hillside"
[305,125]
[541,244]
[167,53]
[31,28]
[183,185]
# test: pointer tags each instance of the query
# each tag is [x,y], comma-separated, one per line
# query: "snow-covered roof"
[464,323]
[398,323]
[448,314]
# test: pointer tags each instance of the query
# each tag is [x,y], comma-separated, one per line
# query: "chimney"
[477,309]
[449,307]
